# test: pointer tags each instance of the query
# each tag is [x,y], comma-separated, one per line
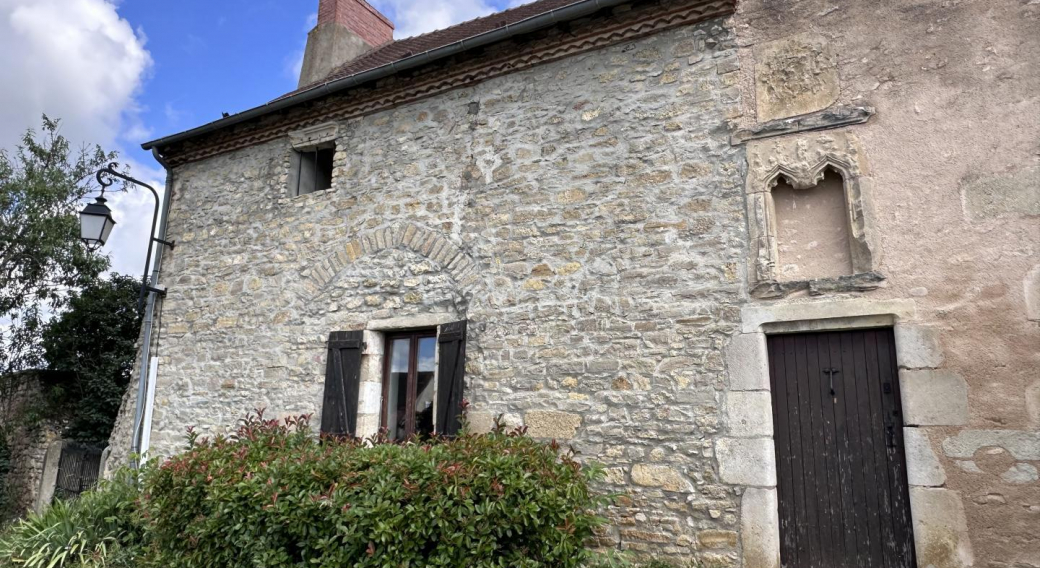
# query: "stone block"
[1014,194]
[716,539]
[663,476]
[370,395]
[552,424]
[922,466]
[749,414]
[746,461]
[917,347]
[795,75]
[933,398]
[1021,474]
[748,362]
[480,422]
[1031,284]
[940,528]
[1033,404]
[760,528]
[1021,445]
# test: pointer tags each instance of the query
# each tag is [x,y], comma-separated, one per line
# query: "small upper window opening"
[311,169]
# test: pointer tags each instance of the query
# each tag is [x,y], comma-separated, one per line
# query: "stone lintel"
[755,318]
[412,322]
[822,120]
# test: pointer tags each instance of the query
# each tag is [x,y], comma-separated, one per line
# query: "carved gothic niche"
[808,211]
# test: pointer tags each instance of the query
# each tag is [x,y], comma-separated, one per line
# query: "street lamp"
[95,223]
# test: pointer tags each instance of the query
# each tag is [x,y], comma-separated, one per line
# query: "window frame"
[411,383]
[296,167]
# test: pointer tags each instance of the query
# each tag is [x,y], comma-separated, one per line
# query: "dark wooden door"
[844,500]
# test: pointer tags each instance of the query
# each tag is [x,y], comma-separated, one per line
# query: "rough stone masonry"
[600,205]
[604,222]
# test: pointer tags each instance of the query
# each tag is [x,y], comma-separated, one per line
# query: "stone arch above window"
[808,215]
[429,244]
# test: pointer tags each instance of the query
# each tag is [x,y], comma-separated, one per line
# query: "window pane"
[424,386]
[398,396]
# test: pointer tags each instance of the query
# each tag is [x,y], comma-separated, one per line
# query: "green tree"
[42,184]
[94,340]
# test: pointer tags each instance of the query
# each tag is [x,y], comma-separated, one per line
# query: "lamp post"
[96,223]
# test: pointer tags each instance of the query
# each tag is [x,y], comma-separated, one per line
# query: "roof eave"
[533,23]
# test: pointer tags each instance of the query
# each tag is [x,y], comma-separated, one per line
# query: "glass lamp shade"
[95,223]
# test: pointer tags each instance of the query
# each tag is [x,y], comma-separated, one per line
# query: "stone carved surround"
[932,398]
[602,209]
[803,160]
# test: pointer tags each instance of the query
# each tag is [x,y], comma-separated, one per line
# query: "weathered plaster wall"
[586,216]
[954,180]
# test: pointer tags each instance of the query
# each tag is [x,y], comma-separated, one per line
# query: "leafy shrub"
[273,495]
[84,533]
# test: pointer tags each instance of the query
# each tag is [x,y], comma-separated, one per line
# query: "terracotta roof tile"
[404,48]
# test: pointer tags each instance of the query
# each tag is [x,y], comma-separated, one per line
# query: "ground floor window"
[408,383]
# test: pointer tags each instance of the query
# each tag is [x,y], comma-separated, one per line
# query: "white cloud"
[293,64]
[73,59]
[132,212]
[79,61]
[414,17]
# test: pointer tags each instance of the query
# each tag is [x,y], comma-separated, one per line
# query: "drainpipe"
[149,315]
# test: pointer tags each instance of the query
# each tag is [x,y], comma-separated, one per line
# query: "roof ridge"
[421,43]
[469,21]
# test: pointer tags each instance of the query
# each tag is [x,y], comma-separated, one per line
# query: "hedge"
[273,494]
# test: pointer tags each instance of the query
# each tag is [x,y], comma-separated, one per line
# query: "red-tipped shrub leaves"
[273,494]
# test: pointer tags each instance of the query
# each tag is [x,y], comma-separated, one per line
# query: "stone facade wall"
[605,228]
[585,216]
[949,164]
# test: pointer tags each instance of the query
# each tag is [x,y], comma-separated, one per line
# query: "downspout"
[149,314]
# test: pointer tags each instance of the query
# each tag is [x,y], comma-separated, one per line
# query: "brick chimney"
[346,29]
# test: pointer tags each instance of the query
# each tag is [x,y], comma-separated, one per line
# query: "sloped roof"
[398,50]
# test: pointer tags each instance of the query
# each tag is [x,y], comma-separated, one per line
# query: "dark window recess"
[408,383]
[311,170]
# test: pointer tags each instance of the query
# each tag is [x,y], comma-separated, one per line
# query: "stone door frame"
[746,456]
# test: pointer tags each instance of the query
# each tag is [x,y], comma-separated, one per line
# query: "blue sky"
[122,72]
[231,55]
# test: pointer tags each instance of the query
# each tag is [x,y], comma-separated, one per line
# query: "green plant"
[92,346]
[83,533]
[274,495]
[42,184]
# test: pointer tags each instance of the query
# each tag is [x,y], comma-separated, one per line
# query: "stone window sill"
[860,282]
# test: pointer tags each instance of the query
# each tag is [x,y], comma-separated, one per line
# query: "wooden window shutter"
[451,343]
[342,381]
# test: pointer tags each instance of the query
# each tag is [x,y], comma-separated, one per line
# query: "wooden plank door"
[842,487]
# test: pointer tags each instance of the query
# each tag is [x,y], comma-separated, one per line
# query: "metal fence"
[78,470]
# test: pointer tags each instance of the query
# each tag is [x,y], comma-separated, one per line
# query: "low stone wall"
[27,440]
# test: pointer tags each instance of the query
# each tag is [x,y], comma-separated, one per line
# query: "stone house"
[773,263]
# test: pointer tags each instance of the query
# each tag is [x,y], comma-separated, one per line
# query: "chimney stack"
[346,29]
